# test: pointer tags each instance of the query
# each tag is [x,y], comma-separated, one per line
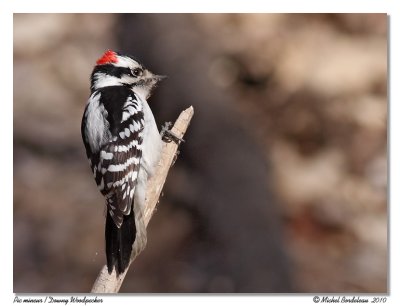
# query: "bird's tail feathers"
[125,243]
[119,242]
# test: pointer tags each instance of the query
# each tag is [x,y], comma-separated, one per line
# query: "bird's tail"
[119,242]
[126,242]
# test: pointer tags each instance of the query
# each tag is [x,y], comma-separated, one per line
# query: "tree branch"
[111,283]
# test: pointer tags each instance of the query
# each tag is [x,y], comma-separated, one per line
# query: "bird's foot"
[167,135]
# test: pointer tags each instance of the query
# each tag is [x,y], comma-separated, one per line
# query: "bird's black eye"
[137,72]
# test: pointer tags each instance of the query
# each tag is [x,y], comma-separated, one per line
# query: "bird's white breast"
[152,143]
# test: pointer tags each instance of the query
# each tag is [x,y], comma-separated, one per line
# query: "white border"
[179,6]
[8,7]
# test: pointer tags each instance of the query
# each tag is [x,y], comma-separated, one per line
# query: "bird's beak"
[159,78]
[154,79]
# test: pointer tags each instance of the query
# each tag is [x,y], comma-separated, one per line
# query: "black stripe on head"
[108,70]
[111,70]
[133,58]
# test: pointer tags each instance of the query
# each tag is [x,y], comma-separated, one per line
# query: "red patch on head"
[108,57]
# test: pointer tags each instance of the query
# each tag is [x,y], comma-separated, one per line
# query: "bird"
[123,146]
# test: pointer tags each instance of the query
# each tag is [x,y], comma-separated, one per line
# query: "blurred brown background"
[281,184]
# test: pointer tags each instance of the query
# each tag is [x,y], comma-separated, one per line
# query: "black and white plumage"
[123,146]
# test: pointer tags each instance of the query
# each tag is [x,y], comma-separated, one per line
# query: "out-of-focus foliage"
[310,89]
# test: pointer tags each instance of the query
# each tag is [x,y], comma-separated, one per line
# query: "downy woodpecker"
[123,146]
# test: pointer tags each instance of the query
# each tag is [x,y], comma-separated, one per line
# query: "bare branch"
[110,283]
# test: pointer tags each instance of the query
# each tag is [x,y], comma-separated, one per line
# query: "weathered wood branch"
[111,283]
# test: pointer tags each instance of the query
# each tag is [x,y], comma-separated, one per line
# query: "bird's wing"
[119,159]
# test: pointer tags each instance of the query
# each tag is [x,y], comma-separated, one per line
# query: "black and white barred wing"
[119,161]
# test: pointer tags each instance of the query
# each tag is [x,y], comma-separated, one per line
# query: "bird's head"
[114,69]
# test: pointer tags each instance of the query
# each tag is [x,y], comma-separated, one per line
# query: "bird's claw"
[167,135]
